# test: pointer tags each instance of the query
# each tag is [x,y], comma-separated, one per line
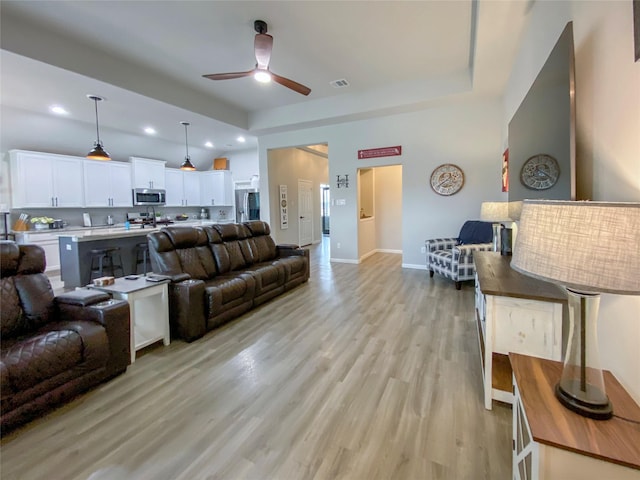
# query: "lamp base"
[505,241]
[593,403]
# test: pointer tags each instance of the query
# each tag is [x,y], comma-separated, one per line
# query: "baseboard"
[414,266]
[380,250]
[344,260]
[367,255]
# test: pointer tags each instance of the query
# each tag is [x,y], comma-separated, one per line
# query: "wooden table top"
[496,277]
[551,423]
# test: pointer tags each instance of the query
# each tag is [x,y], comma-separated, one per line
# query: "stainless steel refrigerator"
[247,205]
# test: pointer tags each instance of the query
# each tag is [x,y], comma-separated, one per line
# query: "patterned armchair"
[453,257]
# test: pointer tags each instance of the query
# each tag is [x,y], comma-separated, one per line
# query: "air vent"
[341,83]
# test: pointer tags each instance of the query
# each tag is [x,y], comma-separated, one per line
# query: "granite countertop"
[119,231]
[76,230]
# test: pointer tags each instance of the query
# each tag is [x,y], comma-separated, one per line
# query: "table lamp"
[495,212]
[515,210]
[589,248]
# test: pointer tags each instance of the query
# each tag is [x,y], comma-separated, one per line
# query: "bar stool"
[140,255]
[105,261]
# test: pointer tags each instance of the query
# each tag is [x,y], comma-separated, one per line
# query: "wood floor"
[368,371]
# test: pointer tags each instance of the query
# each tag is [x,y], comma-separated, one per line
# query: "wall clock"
[540,172]
[447,179]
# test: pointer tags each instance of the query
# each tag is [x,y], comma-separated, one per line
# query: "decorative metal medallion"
[447,179]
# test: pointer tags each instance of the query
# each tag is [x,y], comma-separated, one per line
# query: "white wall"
[388,201]
[465,134]
[608,142]
[243,164]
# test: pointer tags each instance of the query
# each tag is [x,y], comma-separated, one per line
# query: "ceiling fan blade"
[263,45]
[229,76]
[295,86]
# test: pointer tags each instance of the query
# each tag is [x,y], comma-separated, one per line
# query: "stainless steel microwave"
[149,196]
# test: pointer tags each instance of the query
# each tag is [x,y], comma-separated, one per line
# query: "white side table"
[551,442]
[514,313]
[149,306]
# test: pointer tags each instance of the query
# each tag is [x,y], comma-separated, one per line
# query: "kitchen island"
[75,251]
[74,245]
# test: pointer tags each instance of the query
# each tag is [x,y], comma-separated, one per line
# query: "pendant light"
[98,153]
[186,165]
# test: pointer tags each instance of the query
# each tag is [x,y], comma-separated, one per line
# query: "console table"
[552,442]
[514,313]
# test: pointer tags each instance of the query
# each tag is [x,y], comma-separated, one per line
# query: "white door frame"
[301,183]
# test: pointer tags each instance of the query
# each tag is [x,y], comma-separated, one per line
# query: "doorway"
[286,166]
[379,191]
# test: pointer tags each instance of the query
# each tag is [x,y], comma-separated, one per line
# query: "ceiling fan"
[262,46]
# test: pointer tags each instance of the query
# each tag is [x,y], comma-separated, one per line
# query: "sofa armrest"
[114,316]
[82,297]
[173,277]
[289,250]
[467,250]
[187,309]
[435,244]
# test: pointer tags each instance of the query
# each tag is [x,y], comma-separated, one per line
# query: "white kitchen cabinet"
[49,243]
[174,188]
[107,184]
[183,188]
[216,188]
[46,180]
[147,173]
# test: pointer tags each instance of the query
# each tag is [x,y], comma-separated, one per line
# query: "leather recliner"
[220,272]
[53,348]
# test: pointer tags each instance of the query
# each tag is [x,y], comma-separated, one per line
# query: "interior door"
[305,212]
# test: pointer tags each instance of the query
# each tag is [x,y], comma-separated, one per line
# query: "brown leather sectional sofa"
[52,348]
[219,272]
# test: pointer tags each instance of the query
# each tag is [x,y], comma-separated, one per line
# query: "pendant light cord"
[95,100]
[186,139]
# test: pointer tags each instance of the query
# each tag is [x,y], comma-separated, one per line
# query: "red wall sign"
[380,152]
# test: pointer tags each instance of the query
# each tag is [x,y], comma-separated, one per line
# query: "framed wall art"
[284,208]
[505,171]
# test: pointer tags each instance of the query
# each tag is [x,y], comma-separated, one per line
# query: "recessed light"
[150,130]
[58,110]
[241,139]
[208,145]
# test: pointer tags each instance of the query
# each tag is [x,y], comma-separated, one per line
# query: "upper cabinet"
[107,184]
[216,188]
[183,188]
[147,173]
[46,180]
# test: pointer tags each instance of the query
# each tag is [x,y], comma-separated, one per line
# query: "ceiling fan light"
[187,165]
[98,153]
[262,76]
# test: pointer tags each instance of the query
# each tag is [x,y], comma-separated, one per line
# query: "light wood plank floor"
[367,372]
